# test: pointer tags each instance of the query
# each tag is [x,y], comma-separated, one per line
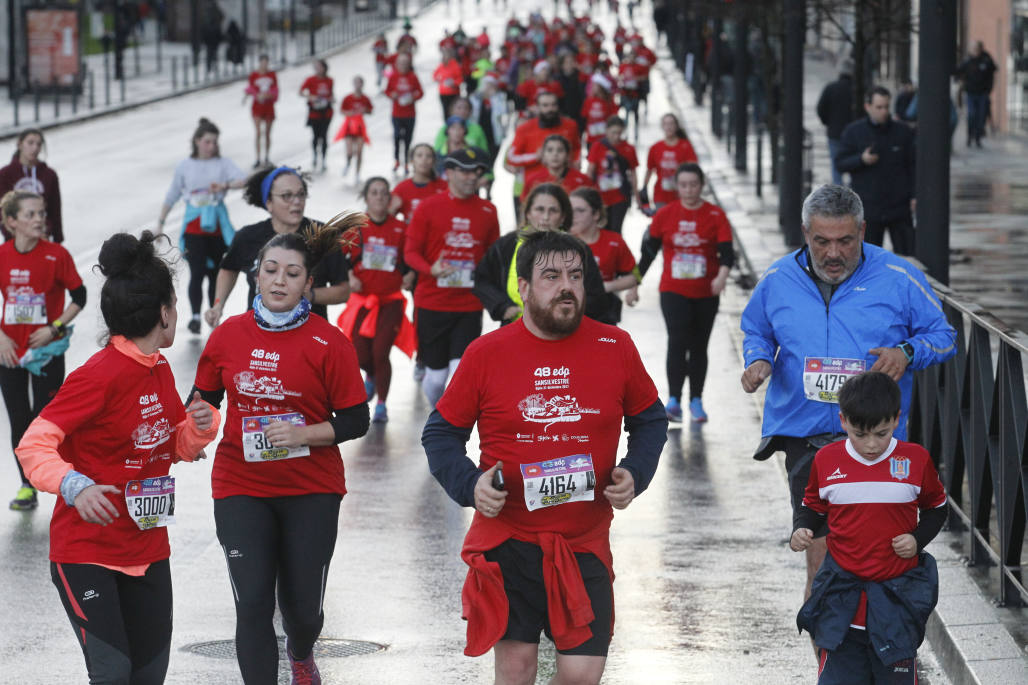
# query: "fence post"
[35,98]
[135,55]
[57,98]
[121,87]
[107,80]
[92,89]
[174,73]
[16,101]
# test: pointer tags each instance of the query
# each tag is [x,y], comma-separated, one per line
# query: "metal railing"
[971,414]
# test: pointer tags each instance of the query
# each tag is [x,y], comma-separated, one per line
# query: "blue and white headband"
[270,178]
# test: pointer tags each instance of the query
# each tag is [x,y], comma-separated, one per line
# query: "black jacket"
[491,282]
[835,106]
[897,609]
[977,73]
[887,186]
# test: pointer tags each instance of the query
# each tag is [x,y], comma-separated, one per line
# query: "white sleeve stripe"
[870,492]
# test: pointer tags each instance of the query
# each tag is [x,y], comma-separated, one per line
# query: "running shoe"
[396,165]
[673,410]
[305,672]
[419,372]
[380,413]
[369,386]
[696,409]
[194,326]
[25,499]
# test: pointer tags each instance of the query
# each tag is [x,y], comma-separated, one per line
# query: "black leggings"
[403,132]
[288,540]
[203,254]
[616,216]
[122,622]
[373,353]
[14,383]
[689,322]
[320,129]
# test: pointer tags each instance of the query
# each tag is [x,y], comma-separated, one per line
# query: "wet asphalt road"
[706,588]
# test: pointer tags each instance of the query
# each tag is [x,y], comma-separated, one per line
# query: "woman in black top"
[283,192]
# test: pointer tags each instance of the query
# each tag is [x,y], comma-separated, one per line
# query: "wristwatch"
[908,350]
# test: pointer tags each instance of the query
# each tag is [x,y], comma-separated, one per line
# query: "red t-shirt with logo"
[266,86]
[459,231]
[404,90]
[630,78]
[529,138]
[573,178]
[663,159]
[596,111]
[356,104]
[411,194]
[119,418]
[547,400]
[379,259]
[613,256]
[689,239]
[609,175]
[320,87]
[33,286]
[310,370]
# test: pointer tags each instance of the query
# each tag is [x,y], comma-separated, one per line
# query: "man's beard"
[549,120]
[544,317]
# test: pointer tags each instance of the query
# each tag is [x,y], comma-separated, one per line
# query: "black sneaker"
[194,326]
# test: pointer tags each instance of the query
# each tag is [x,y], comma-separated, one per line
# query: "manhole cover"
[329,648]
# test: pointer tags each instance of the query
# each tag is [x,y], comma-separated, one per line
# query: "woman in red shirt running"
[664,159]
[34,275]
[374,314]
[697,242]
[424,182]
[317,89]
[104,445]
[612,164]
[294,393]
[263,87]
[354,131]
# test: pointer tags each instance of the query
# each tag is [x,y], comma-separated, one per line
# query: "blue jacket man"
[829,311]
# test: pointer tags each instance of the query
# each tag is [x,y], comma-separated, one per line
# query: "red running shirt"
[320,87]
[404,90]
[529,138]
[356,104]
[870,503]
[379,259]
[573,178]
[459,231]
[689,239]
[663,159]
[264,89]
[33,286]
[311,370]
[613,256]
[549,400]
[596,111]
[609,175]
[449,77]
[119,418]
[411,194]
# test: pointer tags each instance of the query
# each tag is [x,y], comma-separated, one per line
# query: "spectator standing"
[976,74]
[28,172]
[835,110]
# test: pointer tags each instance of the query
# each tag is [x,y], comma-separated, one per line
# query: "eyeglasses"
[289,197]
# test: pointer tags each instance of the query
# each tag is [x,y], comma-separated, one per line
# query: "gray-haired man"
[833,309]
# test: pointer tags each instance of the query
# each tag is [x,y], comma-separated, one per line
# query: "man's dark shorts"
[522,566]
[443,336]
[799,457]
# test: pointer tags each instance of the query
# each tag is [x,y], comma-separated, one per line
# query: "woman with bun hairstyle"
[202,180]
[374,315]
[294,393]
[664,158]
[28,172]
[104,445]
[283,193]
[423,182]
[34,276]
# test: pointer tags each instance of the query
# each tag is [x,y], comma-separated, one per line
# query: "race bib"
[202,197]
[257,447]
[405,99]
[668,183]
[824,376]
[610,182]
[597,128]
[463,275]
[685,266]
[151,502]
[379,257]
[321,103]
[559,481]
[25,309]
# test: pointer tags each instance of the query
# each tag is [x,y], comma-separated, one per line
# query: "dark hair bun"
[123,254]
[204,121]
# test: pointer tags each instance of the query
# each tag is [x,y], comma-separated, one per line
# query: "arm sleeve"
[647,433]
[488,272]
[446,448]
[39,458]
[597,302]
[415,244]
[175,189]
[190,440]
[350,423]
[78,296]
[805,517]
[649,250]
[211,397]
[933,338]
[726,254]
[53,202]
[758,335]
[847,158]
[929,525]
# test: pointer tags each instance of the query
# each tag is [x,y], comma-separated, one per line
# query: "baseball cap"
[466,159]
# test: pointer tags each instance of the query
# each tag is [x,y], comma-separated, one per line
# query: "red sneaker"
[305,672]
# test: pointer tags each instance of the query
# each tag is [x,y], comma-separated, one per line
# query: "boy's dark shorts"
[799,457]
[443,336]
[855,661]
[522,566]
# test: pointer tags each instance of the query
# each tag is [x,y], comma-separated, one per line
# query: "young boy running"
[873,594]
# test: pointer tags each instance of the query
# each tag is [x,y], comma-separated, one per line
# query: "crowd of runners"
[554,102]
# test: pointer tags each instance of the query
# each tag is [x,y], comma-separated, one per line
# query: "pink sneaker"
[305,672]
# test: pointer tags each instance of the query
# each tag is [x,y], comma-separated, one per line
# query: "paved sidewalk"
[972,639]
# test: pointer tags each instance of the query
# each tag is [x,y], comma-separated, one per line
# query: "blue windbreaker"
[885,302]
